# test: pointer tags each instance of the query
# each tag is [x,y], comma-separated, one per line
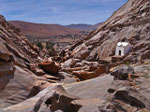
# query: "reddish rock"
[50,66]
[88,74]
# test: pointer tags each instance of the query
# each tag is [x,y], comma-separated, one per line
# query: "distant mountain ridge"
[84,27]
[39,30]
[43,30]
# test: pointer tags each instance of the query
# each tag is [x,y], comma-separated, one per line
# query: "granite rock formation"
[129,23]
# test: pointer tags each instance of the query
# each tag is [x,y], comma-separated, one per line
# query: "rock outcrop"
[83,69]
[17,81]
[101,94]
[23,73]
[23,91]
[57,99]
[123,73]
[129,23]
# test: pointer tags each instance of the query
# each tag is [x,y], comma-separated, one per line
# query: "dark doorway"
[119,52]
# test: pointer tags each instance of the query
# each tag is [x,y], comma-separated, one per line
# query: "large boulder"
[133,97]
[28,105]
[16,86]
[6,64]
[50,66]
[56,100]
[130,96]
[123,72]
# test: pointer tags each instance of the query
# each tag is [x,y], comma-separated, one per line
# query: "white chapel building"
[123,48]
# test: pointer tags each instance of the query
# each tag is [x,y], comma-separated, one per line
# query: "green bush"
[39,44]
[49,45]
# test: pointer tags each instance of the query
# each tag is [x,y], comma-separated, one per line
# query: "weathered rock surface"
[15,87]
[67,78]
[94,95]
[118,95]
[28,105]
[56,100]
[83,69]
[20,88]
[123,73]
[93,88]
[50,66]
[88,73]
[129,23]
[17,82]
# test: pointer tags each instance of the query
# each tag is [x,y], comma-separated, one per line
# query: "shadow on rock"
[57,99]
[125,97]
[5,79]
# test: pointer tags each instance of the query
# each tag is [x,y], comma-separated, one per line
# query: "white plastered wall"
[121,49]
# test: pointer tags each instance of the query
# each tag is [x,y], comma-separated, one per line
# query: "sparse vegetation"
[50,48]
[126,63]
[39,44]
[49,45]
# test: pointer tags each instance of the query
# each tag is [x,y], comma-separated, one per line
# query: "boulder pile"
[83,69]
[109,96]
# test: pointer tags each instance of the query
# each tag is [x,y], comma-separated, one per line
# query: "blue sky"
[59,11]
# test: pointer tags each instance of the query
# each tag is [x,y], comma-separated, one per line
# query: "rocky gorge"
[82,78]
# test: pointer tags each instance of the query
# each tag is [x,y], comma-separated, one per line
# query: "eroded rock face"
[56,100]
[15,87]
[18,83]
[16,54]
[130,96]
[101,94]
[129,23]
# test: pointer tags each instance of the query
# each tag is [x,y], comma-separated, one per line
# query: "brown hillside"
[43,30]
